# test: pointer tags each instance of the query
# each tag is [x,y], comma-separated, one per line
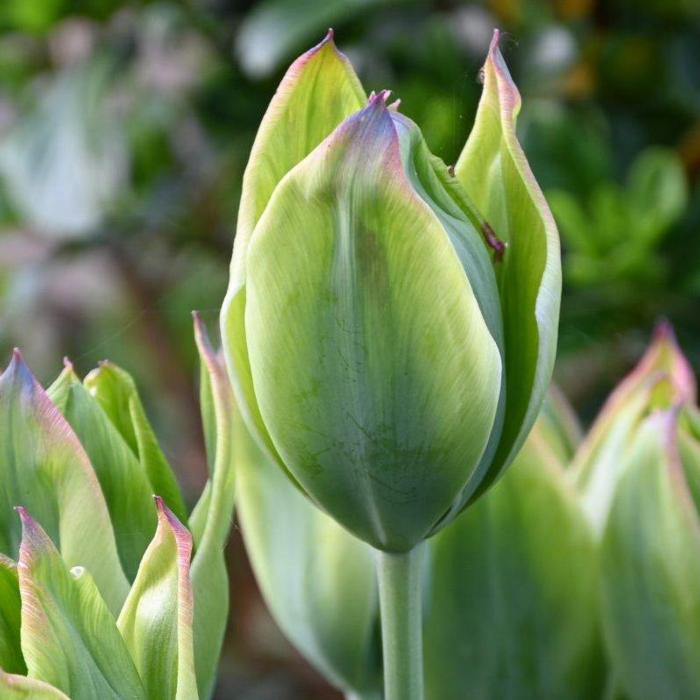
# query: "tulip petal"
[512,604]
[13,687]
[10,649]
[651,569]
[662,379]
[209,577]
[44,467]
[124,483]
[319,90]
[495,173]
[69,637]
[375,372]
[318,580]
[116,392]
[157,618]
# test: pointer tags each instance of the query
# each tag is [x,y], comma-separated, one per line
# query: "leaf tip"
[18,371]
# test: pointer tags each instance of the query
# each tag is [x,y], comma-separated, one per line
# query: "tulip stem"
[400,603]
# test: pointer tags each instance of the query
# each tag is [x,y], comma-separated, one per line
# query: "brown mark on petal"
[493,241]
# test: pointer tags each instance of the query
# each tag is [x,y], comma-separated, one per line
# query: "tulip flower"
[512,601]
[662,379]
[100,595]
[650,549]
[390,324]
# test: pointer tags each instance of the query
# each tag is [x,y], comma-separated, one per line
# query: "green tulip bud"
[383,348]
[662,379]
[512,603]
[650,558]
[126,610]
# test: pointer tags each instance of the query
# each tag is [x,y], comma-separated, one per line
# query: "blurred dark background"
[125,128]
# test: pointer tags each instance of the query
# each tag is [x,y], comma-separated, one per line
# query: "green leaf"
[319,90]
[116,392]
[157,617]
[124,483]
[495,173]
[13,687]
[364,334]
[657,191]
[10,619]
[44,468]
[318,580]
[512,604]
[69,637]
[651,569]
[662,379]
[209,577]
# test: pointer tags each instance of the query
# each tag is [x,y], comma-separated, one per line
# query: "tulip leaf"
[116,392]
[317,580]
[14,687]
[44,468]
[10,650]
[369,352]
[69,637]
[214,519]
[651,569]
[124,483]
[511,611]
[319,90]
[156,620]
[495,173]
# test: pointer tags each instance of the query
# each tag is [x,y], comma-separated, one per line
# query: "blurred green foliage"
[125,126]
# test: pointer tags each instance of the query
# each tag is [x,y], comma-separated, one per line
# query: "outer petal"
[69,637]
[157,618]
[318,580]
[663,378]
[651,569]
[124,484]
[10,650]
[319,90]
[495,173]
[512,604]
[214,518]
[115,391]
[374,369]
[44,467]
[13,687]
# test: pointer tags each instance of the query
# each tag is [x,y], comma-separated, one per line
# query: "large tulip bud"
[387,348]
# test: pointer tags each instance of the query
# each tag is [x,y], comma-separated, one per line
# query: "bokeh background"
[125,128]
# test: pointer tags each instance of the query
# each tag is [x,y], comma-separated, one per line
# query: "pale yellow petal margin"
[496,174]
[14,687]
[319,90]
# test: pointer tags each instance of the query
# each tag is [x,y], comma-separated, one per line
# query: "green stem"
[363,696]
[402,635]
